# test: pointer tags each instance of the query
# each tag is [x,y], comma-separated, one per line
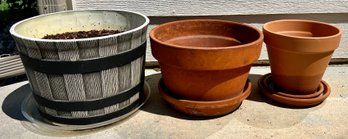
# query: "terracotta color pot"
[299,52]
[265,84]
[205,60]
[204,108]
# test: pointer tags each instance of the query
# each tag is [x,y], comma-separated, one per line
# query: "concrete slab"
[257,117]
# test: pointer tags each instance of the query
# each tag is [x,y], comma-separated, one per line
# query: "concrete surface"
[257,117]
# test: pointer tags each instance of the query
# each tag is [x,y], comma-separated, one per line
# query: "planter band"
[89,105]
[83,66]
[91,120]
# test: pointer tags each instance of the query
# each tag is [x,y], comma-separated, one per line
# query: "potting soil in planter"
[82,34]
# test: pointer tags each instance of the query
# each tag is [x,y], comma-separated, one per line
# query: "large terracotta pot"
[299,52]
[205,60]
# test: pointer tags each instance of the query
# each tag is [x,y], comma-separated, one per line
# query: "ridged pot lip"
[266,28]
[14,33]
[255,42]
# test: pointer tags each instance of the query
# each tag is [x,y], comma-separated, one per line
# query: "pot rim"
[13,32]
[266,25]
[152,35]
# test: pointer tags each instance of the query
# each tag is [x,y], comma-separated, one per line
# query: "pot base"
[291,99]
[204,108]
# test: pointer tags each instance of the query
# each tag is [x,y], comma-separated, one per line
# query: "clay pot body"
[205,60]
[299,52]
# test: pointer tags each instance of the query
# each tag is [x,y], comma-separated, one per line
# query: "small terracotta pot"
[205,60]
[299,52]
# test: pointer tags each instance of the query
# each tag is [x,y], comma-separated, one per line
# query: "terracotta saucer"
[291,99]
[268,82]
[204,108]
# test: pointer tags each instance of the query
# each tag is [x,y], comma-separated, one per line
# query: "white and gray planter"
[84,81]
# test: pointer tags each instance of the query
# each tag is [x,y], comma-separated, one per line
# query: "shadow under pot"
[205,61]
[84,81]
[299,52]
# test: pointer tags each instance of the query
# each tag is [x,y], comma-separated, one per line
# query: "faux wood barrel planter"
[205,61]
[84,81]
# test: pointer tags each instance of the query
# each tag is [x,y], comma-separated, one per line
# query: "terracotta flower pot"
[299,52]
[205,60]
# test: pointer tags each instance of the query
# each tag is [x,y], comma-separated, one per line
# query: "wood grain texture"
[87,86]
[109,47]
[216,7]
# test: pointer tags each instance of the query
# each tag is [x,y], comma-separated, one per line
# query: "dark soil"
[82,34]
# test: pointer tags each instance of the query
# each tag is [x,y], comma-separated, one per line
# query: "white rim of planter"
[12,29]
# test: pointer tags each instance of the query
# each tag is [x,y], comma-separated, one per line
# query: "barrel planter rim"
[165,44]
[13,32]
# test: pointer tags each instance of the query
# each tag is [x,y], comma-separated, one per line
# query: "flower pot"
[84,81]
[205,60]
[299,52]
